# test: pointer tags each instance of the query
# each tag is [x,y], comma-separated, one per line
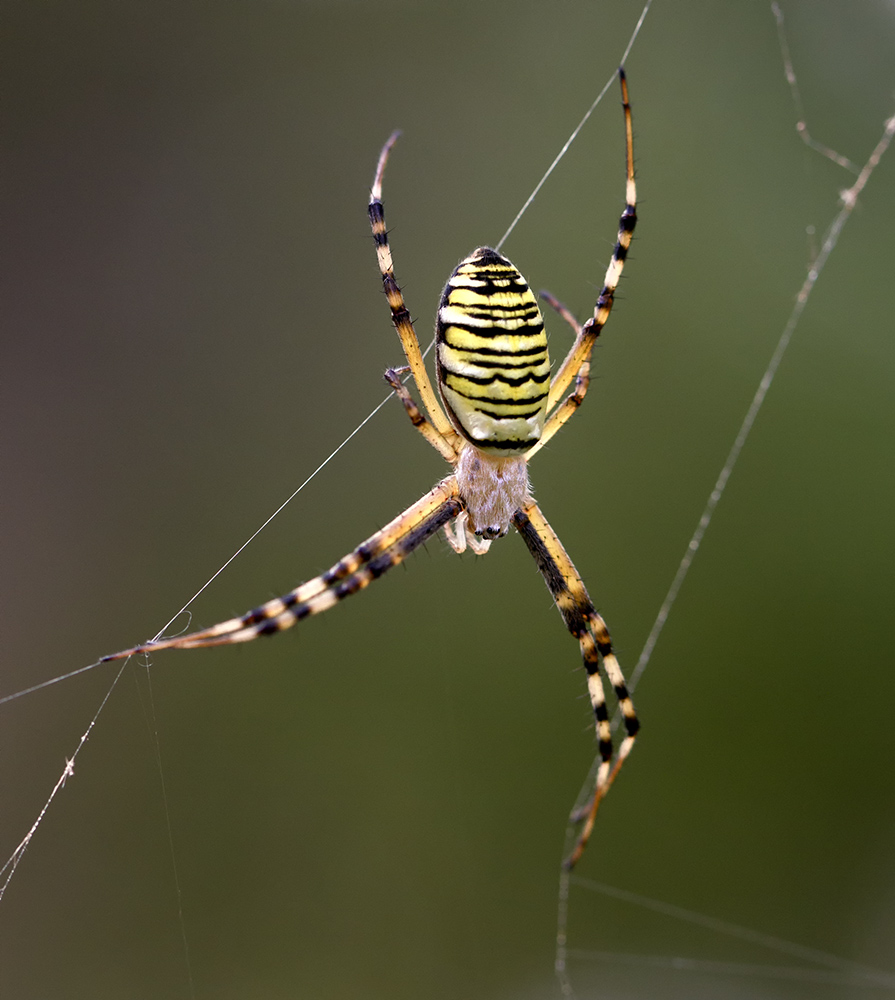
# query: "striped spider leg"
[500,406]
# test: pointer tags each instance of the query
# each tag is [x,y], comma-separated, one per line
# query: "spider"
[500,408]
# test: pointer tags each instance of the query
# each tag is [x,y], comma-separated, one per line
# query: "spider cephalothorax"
[501,406]
[493,488]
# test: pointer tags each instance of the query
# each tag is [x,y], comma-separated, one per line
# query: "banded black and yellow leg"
[354,572]
[586,625]
[584,342]
[575,398]
[605,776]
[566,409]
[455,532]
[400,315]
[438,441]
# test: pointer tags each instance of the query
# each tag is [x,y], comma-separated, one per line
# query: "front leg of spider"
[588,627]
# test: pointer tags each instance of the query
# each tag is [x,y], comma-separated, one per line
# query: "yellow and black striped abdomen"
[493,367]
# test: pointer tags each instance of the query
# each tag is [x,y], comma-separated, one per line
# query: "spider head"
[493,488]
[491,532]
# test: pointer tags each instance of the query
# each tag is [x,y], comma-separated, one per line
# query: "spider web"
[818,967]
[638,287]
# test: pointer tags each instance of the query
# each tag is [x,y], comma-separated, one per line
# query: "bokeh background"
[373,806]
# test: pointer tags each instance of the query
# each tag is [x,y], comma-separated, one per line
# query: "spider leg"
[586,625]
[459,537]
[564,411]
[562,309]
[582,380]
[587,335]
[438,441]
[354,572]
[400,315]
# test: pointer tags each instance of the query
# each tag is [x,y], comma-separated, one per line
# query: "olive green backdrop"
[373,805]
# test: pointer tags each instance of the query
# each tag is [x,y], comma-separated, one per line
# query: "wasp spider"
[500,407]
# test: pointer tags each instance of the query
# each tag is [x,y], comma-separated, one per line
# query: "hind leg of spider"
[565,411]
[457,534]
[560,307]
[354,572]
[438,441]
[587,335]
[586,625]
[400,315]
[570,404]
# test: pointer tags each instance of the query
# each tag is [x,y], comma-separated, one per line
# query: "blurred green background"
[373,806]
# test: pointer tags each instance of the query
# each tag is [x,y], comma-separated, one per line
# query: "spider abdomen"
[493,366]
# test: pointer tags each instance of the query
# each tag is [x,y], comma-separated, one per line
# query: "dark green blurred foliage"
[373,806]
